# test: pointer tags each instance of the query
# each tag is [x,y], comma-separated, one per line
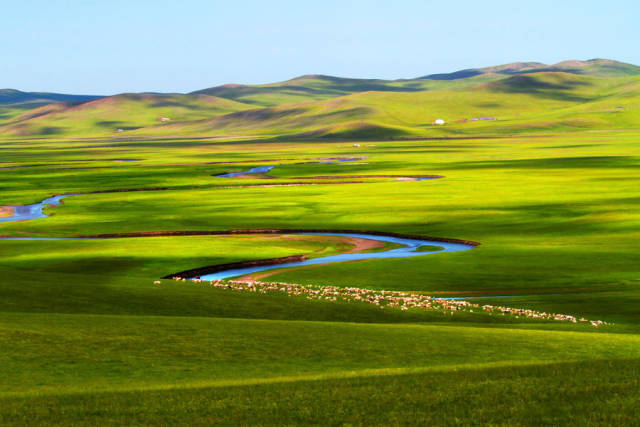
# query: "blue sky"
[114,46]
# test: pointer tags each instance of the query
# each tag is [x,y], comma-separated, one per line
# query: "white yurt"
[439,122]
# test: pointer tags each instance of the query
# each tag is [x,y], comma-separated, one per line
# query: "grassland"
[87,337]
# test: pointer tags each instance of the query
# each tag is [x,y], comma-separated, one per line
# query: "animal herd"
[383,299]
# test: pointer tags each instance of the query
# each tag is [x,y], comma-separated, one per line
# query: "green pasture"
[527,394]
[88,338]
[91,353]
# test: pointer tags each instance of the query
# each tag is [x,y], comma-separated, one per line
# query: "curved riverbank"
[223,271]
[410,244]
[277,231]
[7,211]
[416,177]
[261,170]
[203,271]
[34,211]
[261,173]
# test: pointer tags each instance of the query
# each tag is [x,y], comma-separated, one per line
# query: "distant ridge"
[303,88]
[18,98]
[316,87]
[521,96]
[593,67]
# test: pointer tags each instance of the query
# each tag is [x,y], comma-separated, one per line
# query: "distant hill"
[592,67]
[522,97]
[112,114]
[315,87]
[14,97]
[533,102]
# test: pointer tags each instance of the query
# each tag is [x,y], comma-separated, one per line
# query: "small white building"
[164,119]
[439,122]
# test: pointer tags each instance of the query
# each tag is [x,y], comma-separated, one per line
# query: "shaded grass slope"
[593,67]
[117,113]
[514,395]
[16,97]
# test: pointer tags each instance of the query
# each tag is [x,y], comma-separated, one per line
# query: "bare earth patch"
[261,175]
[6,211]
[358,243]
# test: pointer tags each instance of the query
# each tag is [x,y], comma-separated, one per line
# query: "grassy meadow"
[550,192]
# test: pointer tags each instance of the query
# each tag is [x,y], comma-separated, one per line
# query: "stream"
[35,211]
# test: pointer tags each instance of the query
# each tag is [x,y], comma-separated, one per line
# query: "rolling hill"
[315,87]
[537,102]
[520,97]
[14,102]
[117,113]
[592,67]
[16,97]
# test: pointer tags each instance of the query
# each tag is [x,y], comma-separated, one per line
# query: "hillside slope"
[353,108]
[592,67]
[535,101]
[16,97]
[117,113]
[14,102]
[319,87]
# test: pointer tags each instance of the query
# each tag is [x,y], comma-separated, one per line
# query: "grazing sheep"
[382,299]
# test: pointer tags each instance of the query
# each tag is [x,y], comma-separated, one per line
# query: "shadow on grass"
[526,84]
[533,393]
[552,163]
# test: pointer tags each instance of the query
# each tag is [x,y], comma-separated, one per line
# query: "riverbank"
[407,249]
[277,231]
[6,211]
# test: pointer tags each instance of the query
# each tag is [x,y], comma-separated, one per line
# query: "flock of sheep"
[382,299]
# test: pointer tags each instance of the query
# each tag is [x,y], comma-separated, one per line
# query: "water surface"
[27,212]
[408,250]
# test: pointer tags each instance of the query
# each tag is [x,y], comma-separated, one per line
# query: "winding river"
[409,248]
[35,211]
[265,169]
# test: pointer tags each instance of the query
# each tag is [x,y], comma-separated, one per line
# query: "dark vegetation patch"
[367,176]
[51,130]
[567,146]
[554,162]
[428,248]
[260,114]
[462,74]
[110,123]
[202,271]
[561,90]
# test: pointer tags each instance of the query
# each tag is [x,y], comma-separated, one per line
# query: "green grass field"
[88,338]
